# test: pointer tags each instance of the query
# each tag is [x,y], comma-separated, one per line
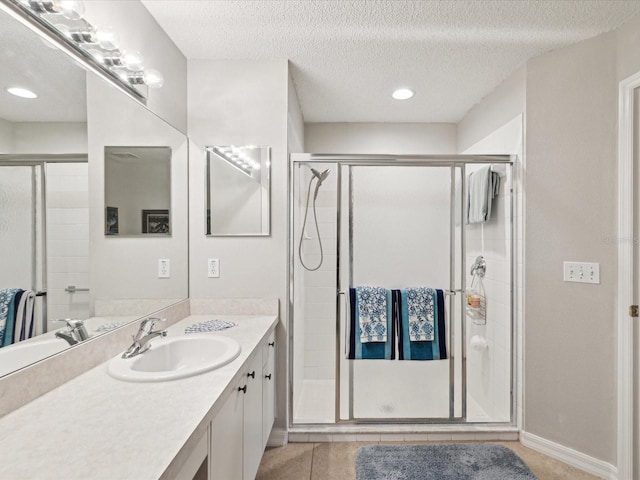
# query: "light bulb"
[122,75]
[107,38]
[133,60]
[97,55]
[43,6]
[71,9]
[153,78]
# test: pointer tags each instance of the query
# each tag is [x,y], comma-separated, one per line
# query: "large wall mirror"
[58,132]
[238,190]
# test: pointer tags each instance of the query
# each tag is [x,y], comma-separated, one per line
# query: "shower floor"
[317,404]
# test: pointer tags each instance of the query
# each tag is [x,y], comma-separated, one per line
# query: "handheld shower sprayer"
[319,177]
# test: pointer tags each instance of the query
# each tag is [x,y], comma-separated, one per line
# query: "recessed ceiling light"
[21,92]
[402,94]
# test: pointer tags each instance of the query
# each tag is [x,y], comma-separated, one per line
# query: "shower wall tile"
[67,240]
[489,370]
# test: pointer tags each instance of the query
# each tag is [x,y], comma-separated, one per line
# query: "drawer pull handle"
[272,344]
[268,377]
[242,389]
[252,374]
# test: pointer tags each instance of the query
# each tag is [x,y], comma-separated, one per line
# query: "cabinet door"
[253,418]
[269,389]
[226,455]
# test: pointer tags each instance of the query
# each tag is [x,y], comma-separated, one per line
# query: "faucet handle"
[71,323]
[151,321]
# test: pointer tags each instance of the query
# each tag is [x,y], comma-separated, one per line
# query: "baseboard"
[278,437]
[569,456]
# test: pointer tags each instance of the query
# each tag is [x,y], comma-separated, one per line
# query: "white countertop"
[96,427]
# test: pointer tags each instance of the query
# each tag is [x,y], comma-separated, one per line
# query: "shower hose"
[304,225]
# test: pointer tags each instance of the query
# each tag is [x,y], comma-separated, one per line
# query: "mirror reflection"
[238,190]
[137,190]
[62,281]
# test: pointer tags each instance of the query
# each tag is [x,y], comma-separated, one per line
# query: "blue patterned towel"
[421,312]
[371,305]
[421,350]
[209,326]
[6,298]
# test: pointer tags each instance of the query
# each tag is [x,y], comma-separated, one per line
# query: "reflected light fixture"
[101,43]
[21,92]
[237,157]
[402,94]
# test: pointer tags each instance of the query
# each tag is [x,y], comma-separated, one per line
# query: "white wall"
[570,367]
[377,138]
[241,103]
[138,30]
[125,268]
[6,136]
[50,137]
[500,106]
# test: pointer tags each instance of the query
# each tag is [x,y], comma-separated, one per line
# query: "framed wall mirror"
[57,262]
[238,193]
[137,186]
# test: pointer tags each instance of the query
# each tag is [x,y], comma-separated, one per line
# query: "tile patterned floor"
[336,461]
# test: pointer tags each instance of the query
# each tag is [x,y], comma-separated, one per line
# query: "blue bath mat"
[456,461]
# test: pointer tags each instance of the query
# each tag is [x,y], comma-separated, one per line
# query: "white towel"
[482,186]
[24,317]
[372,313]
[421,312]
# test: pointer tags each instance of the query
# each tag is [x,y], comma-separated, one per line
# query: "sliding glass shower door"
[398,234]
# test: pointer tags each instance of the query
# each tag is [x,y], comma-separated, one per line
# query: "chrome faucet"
[76,331]
[144,334]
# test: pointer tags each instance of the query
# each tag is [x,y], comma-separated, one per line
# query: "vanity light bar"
[101,44]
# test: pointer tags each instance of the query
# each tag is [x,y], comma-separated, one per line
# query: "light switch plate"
[581,272]
[213,268]
[164,266]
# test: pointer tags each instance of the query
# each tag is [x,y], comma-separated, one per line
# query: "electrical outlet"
[164,268]
[213,268]
[581,272]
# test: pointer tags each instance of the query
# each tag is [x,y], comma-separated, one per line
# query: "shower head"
[321,176]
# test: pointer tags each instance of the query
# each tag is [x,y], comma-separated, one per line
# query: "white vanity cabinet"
[238,429]
[268,387]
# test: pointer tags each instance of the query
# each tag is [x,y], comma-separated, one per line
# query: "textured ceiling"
[348,56]
[25,61]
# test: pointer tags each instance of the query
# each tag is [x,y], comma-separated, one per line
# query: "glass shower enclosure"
[398,222]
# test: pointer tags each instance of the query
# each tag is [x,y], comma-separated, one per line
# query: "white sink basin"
[174,358]
[20,355]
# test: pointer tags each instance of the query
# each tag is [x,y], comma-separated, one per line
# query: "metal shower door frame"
[40,161]
[453,162]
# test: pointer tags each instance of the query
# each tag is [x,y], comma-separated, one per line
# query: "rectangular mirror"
[238,191]
[137,187]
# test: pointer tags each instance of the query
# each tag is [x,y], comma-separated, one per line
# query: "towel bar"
[74,289]
[446,292]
